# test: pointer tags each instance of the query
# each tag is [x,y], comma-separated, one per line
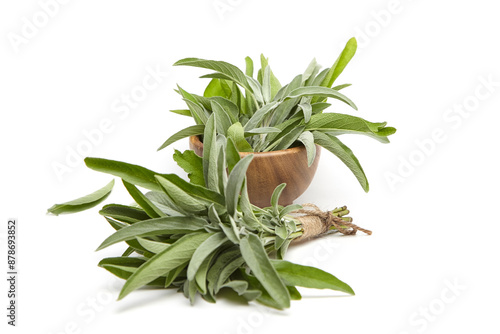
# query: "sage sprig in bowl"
[260,115]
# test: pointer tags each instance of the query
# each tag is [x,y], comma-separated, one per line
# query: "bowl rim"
[195,140]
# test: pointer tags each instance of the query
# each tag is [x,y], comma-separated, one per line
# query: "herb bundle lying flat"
[203,236]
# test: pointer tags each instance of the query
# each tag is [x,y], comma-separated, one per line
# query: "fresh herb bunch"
[204,235]
[260,115]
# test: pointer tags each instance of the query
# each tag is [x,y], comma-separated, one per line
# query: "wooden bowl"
[269,169]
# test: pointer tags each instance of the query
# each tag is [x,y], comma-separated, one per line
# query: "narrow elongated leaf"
[230,71]
[193,130]
[258,261]
[337,124]
[232,154]
[309,277]
[249,66]
[256,88]
[307,139]
[83,203]
[210,154]
[289,139]
[275,198]
[192,164]
[319,107]
[266,85]
[124,213]
[341,62]
[235,182]
[306,110]
[201,275]
[345,154]
[180,198]
[322,92]
[237,134]
[259,115]
[183,112]
[223,120]
[198,111]
[143,201]
[229,107]
[262,131]
[155,226]
[203,251]
[160,264]
[145,178]
[152,246]
[309,70]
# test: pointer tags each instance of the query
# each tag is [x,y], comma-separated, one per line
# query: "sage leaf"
[231,72]
[307,139]
[320,91]
[160,264]
[143,201]
[210,155]
[237,135]
[155,226]
[203,251]
[193,130]
[309,277]
[337,124]
[192,164]
[82,203]
[345,154]
[235,182]
[258,261]
[341,62]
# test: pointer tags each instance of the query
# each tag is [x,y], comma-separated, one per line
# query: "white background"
[436,226]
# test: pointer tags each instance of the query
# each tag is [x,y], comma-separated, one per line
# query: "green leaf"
[258,261]
[321,92]
[180,198]
[193,130]
[230,71]
[235,182]
[318,107]
[124,267]
[341,62]
[210,155]
[290,138]
[309,277]
[223,120]
[217,87]
[124,213]
[160,264]
[256,88]
[237,135]
[232,154]
[143,201]
[266,85]
[198,111]
[307,139]
[230,108]
[309,70]
[152,246]
[306,110]
[203,251]
[249,66]
[83,203]
[275,198]
[192,164]
[259,115]
[337,124]
[345,154]
[183,112]
[153,227]
[262,131]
